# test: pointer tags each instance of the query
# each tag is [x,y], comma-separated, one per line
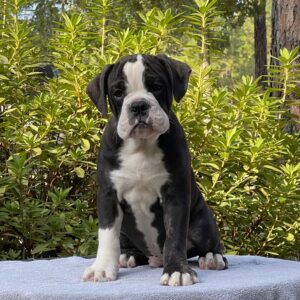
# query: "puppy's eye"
[118,94]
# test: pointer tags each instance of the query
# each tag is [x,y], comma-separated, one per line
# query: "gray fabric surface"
[248,277]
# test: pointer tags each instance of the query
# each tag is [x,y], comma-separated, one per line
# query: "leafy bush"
[245,163]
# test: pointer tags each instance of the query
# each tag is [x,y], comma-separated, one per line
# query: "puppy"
[149,207]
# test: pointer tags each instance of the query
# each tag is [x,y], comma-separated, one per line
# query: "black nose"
[139,108]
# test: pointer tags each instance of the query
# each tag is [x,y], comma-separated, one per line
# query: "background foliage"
[245,163]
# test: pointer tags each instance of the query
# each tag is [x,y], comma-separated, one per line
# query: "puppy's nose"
[139,108]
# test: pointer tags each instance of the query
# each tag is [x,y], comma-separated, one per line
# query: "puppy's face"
[140,89]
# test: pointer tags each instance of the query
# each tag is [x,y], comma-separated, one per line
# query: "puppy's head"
[140,89]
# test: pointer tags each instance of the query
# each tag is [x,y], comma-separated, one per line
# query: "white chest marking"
[138,181]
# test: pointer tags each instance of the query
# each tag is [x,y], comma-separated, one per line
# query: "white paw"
[211,262]
[127,262]
[177,279]
[155,261]
[96,272]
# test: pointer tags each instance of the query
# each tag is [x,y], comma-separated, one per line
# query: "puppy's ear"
[179,73]
[97,89]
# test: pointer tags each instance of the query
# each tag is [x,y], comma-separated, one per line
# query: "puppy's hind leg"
[130,256]
[204,240]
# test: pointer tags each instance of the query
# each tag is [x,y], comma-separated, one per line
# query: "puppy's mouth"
[141,129]
[141,125]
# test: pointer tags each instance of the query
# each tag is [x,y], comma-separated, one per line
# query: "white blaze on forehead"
[134,75]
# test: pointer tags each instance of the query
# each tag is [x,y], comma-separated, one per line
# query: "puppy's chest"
[140,177]
[138,181]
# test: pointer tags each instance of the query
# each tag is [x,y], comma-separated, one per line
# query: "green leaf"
[85,145]
[231,136]
[69,228]
[273,168]
[3,77]
[215,178]
[41,248]
[214,165]
[284,53]
[80,172]
[290,237]
[37,151]
[3,60]
[33,127]
[2,190]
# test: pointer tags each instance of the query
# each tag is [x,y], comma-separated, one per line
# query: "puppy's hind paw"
[212,262]
[126,261]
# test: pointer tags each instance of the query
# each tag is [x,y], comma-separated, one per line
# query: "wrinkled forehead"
[135,70]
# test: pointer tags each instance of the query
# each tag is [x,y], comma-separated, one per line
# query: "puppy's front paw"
[183,275]
[97,272]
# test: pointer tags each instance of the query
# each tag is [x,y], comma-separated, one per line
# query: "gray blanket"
[248,277]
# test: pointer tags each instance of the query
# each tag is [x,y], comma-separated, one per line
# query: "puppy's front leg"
[105,267]
[176,217]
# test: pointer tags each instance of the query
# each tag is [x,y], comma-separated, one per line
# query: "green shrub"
[245,163]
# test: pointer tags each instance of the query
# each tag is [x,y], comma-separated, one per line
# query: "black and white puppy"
[150,209]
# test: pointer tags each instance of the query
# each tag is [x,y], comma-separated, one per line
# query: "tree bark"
[286,34]
[285,25]
[260,40]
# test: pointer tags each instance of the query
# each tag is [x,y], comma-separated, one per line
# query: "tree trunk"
[285,25]
[260,39]
[286,34]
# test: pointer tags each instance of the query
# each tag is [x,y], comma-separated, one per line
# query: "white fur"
[219,261]
[187,279]
[127,262]
[177,279]
[134,73]
[211,262]
[164,279]
[138,181]
[174,279]
[135,90]
[106,266]
[123,261]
